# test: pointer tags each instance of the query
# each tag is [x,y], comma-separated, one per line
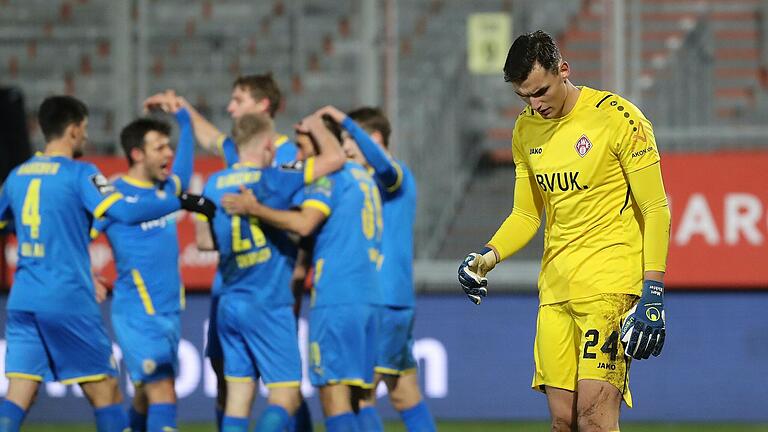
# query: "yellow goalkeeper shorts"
[579,339]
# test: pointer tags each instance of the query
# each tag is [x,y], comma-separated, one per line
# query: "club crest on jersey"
[583,145]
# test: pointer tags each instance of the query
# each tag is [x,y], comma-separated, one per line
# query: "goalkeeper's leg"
[597,406]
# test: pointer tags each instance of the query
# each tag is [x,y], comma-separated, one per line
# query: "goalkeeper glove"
[472,273]
[643,329]
[198,204]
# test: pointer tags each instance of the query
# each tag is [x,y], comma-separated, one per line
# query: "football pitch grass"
[457,426]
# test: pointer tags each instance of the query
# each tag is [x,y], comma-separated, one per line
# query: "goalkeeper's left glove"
[643,329]
[472,273]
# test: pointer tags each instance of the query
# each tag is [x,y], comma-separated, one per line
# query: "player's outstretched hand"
[472,272]
[198,204]
[243,203]
[643,328]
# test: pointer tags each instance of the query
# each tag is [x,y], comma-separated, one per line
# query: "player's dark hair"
[373,120]
[526,51]
[56,113]
[249,126]
[132,136]
[260,87]
[333,127]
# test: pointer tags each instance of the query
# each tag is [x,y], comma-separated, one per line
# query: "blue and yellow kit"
[54,328]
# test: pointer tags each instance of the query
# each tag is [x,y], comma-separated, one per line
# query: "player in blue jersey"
[251,94]
[366,140]
[148,292]
[343,210]
[256,325]
[54,330]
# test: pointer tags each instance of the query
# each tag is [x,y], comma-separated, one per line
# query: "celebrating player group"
[279,209]
[334,209]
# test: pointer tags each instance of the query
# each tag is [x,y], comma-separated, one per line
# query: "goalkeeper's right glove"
[472,273]
[198,204]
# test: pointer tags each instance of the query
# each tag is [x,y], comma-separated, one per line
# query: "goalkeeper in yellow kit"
[588,158]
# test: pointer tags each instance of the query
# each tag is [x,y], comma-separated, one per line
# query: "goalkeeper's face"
[544,90]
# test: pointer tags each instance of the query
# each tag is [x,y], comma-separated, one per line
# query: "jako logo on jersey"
[564,181]
[536,151]
[583,145]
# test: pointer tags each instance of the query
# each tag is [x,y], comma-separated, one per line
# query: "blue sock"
[137,420]
[302,420]
[219,418]
[11,416]
[418,418]
[369,420]
[274,419]
[111,418]
[346,422]
[161,417]
[234,424]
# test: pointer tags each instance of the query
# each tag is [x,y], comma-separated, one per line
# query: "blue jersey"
[255,259]
[53,200]
[147,254]
[397,243]
[398,191]
[347,255]
[285,152]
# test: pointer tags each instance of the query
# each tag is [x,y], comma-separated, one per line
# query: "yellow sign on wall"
[488,41]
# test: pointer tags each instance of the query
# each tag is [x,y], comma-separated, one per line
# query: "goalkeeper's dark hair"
[251,126]
[260,87]
[372,119]
[526,51]
[56,113]
[132,136]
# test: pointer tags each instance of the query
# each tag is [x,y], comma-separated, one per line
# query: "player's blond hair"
[250,129]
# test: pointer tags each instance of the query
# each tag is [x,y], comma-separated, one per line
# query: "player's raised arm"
[330,155]
[184,160]
[206,133]
[387,170]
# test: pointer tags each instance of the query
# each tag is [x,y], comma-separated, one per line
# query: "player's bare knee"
[161,391]
[404,391]
[22,392]
[563,424]
[288,398]
[599,411]
[102,393]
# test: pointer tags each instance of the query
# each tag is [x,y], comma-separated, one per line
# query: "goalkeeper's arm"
[521,225]
[516,231]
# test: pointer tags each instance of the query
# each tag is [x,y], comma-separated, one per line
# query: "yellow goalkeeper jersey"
[593,241]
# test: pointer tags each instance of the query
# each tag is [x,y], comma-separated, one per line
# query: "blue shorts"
[342,345]
[395,340]
[45,346]
[150,344]
[259,341]
[213,344]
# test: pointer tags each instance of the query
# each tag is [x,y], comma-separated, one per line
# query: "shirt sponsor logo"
[583,145]
[564,181]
